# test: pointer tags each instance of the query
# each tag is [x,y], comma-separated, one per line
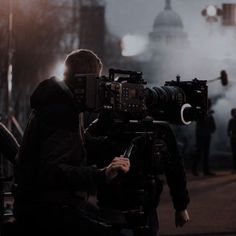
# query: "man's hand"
[181,218]
[118,164]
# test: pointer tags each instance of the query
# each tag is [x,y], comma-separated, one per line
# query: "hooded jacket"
[51,166]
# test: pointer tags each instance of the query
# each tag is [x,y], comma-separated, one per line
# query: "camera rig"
[178,102]
[134,116]
[151,147]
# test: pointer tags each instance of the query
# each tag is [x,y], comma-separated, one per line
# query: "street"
[212,208]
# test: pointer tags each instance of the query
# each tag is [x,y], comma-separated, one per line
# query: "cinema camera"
[178,102]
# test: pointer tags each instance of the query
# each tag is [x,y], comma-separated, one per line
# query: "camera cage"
[178,102]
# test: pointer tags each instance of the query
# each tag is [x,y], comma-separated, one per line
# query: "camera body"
[178,102]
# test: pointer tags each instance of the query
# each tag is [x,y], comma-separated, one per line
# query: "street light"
[211,12]
[10,117]
[10,66]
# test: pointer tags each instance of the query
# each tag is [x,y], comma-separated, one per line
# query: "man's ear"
[67,75]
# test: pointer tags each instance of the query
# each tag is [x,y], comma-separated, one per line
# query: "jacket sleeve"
[62,164]
[98,146]
[213,124]
[174,171]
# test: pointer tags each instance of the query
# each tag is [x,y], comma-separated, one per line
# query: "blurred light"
[133,45]
[9,75]
[211,10]
[58,70]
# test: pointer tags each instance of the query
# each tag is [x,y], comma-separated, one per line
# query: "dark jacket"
[106,140]
[206,127]
[231,129]
[52,167]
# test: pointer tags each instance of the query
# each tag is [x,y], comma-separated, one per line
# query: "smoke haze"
[212,48]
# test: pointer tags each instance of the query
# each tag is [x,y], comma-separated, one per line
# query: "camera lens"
[165,102]
[163,96]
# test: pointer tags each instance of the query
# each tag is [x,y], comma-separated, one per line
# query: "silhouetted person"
[231,131]
[204,131]
[151,156]
[54,180]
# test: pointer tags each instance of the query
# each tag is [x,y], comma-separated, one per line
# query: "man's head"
[82,67]
[82,61]
[233,112]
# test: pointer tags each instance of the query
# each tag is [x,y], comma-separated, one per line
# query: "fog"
[212,48]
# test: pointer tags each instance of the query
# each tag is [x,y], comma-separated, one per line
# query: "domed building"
[168,27]
[162,59]
[168,44]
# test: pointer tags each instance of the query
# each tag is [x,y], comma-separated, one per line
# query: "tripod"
[152,150]
[142,217]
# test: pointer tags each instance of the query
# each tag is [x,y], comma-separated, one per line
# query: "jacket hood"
[49,93]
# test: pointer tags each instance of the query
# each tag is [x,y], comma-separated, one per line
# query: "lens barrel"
[165,102]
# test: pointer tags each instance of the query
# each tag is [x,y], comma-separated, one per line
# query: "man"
[151,156]
[204,130]
[53,179]
[231,131]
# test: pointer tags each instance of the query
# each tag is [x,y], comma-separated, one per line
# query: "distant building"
[167,45]
[162,59]
[168,28]
[92,28]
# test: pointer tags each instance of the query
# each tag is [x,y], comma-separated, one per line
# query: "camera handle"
[128,151]
[126,154]
[143,230]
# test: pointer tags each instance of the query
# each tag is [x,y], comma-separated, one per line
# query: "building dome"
[168,26]
[168,18]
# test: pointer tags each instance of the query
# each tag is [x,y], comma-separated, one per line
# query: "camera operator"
[52,176]
[106,141]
